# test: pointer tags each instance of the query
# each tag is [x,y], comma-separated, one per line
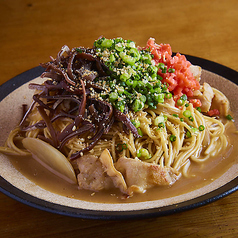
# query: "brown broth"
[200,175]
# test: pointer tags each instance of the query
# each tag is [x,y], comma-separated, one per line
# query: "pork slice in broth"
[140,175]
[99,173]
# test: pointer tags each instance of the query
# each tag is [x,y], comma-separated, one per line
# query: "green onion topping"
[199,109]
[144,153]
[172,138]
[188,134]
[134,81]
[191,118]
[140,132]
[136,123]
[229,117]
[201,128]
[187,113]
[120,147]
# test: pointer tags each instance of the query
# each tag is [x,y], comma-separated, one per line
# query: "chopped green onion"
[170,70]
[164,70]
[136,123]
[184,97]
[119,47]
[127,93]
[172,138]
[180,102]
[139,131]
[127,58]
[134,53]
[147,58]
[143,98]
[158,120]
[188,134]
[187,113]
[106,43]
[191,118]
[161,65]
[199,109]
[134,84]
[124,146]
[79,50]
[151,105]
[120,106]
[175,115]
[129,82]
[113,96]
[194,130]
[159,77]
[144,153]
[187,104]
[137,105]
[159,98]
[229,117]
[124,77]
[168,95]
[201,128]
[120,90]
[112,58]
[120,147]
[138,154]
[165,87]
[157,90]
[161,125]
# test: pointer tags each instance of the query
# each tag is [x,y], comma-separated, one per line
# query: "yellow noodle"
[10,147]
[185,169]
[176,154]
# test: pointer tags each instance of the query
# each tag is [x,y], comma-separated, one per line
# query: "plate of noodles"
[119,131]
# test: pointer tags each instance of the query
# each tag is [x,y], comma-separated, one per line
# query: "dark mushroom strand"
[74,77]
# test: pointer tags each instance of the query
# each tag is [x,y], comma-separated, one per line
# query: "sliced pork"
[205,95]
[140,176]
[92,175]
[220,102]
[196,71]
[99,173]
[116,176]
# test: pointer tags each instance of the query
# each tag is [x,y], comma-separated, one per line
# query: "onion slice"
[50,158]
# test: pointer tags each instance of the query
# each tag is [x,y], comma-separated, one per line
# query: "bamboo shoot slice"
[50,158]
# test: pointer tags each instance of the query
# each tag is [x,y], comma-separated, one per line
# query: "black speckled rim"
[19,195]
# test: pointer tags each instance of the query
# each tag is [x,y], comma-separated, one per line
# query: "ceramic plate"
[15,92]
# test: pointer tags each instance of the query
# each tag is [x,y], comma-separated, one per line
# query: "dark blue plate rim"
[17,194]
